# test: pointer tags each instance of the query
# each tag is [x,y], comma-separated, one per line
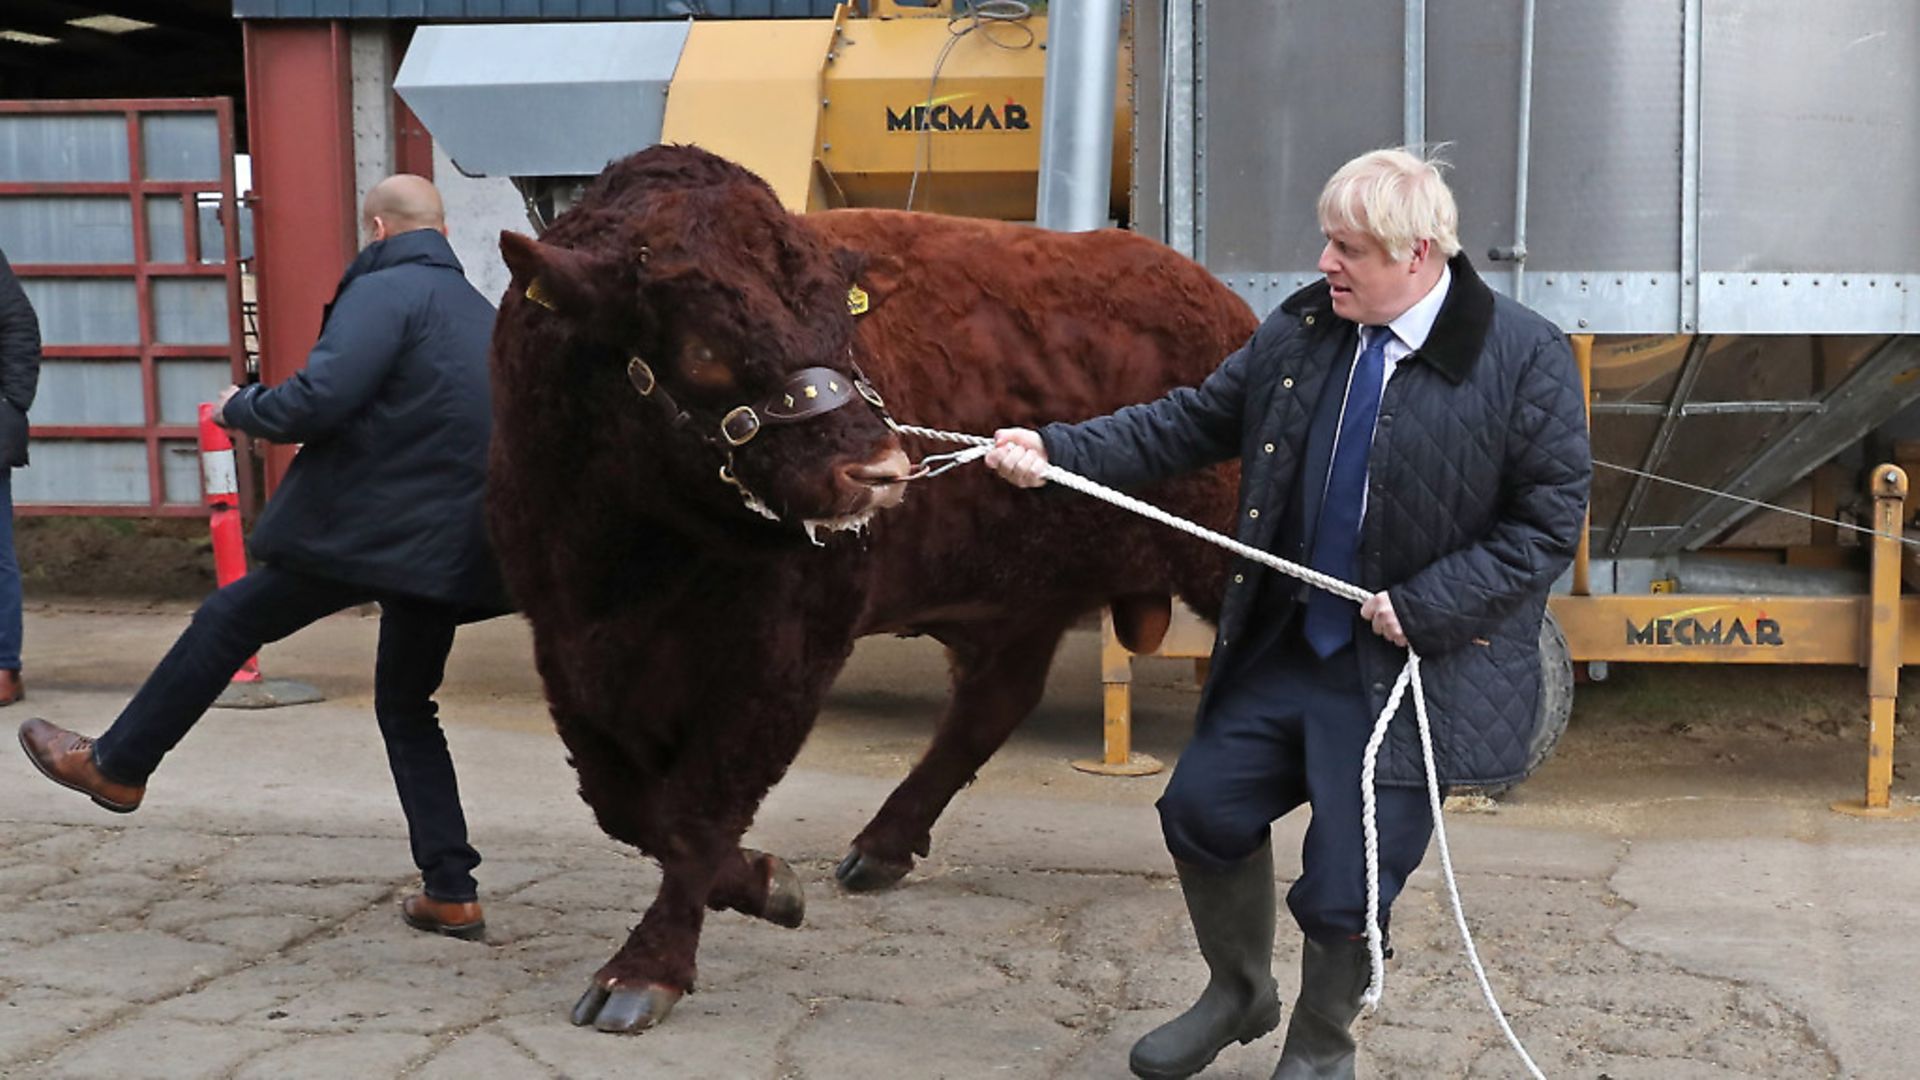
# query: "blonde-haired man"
[1401,427]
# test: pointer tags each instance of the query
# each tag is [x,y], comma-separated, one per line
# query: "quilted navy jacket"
[1477,489]
[394,412]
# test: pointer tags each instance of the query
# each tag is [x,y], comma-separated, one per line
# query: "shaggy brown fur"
[686,641]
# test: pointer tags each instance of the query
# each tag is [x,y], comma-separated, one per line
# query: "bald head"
[400,204]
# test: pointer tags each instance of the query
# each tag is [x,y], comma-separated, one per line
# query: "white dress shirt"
[1410,330]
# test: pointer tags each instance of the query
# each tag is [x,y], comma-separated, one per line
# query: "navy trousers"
[268,604]
[1283,728]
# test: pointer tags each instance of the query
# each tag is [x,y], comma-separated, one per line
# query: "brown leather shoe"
[66,758]
[11,688]
[464,921]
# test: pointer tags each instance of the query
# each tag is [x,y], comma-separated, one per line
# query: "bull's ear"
[850,262]
[576,284]
[878,273]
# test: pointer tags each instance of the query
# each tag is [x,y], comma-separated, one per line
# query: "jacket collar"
[1458,334]
[418,247]
[415,247]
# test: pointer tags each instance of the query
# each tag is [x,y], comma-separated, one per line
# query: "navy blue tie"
[1336,536]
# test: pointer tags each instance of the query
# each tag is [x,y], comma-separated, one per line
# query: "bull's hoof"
[624,1009]
[860,872]
[786,900]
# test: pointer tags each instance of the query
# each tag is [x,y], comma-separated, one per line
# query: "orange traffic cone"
[219,482]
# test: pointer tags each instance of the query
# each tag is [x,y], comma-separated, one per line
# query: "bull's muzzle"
[883,477]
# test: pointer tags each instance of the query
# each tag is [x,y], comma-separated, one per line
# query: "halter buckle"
[641,376]
[740,425]
[867,391]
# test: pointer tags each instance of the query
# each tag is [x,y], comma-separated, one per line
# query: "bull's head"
[728,320]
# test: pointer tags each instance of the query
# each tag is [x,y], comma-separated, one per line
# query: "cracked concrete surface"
[1645,909]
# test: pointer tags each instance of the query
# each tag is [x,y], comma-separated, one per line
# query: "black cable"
[977,16]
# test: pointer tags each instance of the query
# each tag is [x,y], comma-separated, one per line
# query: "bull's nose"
[882,475]
[889,468]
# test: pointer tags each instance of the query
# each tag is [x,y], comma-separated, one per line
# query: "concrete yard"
[1670,897]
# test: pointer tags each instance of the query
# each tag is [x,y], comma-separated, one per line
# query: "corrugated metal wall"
[532,10]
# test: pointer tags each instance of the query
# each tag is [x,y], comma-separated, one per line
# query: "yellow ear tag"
[538,294]
[856,300]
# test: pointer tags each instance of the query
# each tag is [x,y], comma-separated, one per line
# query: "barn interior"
[122,49]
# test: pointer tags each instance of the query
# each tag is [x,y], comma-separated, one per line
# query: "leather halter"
[807,393]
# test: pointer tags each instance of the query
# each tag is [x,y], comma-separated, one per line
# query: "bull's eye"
[704,371]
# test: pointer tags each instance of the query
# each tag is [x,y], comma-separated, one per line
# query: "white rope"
[1756,503]
[1409,676]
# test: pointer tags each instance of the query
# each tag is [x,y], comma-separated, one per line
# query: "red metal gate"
[119,217]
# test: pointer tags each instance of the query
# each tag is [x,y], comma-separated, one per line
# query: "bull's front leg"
[691,820]
[999,672]
[754,883]
[759,884]
[640,985]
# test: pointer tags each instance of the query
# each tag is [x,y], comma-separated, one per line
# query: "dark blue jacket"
[1477,488]
[394,414]
[19,366]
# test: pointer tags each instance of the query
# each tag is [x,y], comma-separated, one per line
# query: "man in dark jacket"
[383,503]
[19,378]
[1403,428]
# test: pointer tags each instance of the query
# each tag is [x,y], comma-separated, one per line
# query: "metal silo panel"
[1809,137]
[1292,90]
[1603,188]
[1809,146]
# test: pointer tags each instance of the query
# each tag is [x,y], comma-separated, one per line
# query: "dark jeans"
[269,604]
[1285,728]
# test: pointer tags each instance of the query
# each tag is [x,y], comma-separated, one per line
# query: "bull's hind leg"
[999,671]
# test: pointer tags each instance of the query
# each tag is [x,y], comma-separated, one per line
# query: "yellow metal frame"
[1671,628]
[750,90]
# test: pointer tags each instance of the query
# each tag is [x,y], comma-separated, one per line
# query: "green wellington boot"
[1233,912]
[1319,1045]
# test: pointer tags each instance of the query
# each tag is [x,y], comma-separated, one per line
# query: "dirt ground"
[1670,896]
[127,558]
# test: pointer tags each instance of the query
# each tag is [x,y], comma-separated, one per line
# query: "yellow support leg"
[1583,556]
[1883,647]
[1116,677]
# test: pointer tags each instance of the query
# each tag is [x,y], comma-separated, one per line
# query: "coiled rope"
[1409,676]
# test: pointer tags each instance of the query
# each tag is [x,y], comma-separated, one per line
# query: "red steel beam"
[300,127]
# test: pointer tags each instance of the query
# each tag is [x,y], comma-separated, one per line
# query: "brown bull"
[696,573]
